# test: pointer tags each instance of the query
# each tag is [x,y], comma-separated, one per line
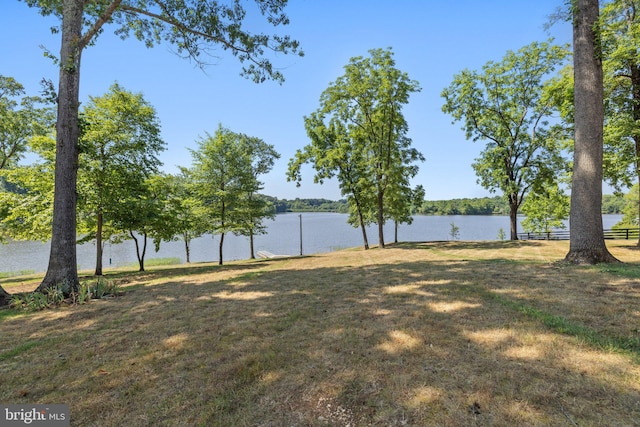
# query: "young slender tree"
[252,208]
[333,153]
[506,105]
[545,210]
[193,27]
[587,244]
[365,135]
[224,172]
[140,215]
[183,214]
[120,144]
[402,203]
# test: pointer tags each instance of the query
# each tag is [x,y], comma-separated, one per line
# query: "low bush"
[53,297]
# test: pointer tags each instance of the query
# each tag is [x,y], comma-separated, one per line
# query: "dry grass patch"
[447,334]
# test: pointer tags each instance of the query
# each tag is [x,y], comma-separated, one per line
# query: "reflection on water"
[321,232]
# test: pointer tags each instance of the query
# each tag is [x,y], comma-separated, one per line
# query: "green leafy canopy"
[193,27]
[507,106]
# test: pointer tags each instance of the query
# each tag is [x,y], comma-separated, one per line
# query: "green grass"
[628,345]
[154,262]
[19,349]
[631,271]
[4,275]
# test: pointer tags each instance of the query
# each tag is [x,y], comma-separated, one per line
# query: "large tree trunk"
[5,297]
[587,244]
[62,270]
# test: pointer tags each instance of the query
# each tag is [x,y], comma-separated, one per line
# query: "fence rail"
[613,233]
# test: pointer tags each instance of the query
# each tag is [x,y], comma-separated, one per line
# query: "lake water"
[321,232]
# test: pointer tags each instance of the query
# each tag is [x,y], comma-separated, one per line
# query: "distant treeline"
[309,205]
[496,205]
[480,206]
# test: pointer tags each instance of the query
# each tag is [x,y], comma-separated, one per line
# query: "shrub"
[53,297]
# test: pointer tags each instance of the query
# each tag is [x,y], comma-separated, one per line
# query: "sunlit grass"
[6,274]
[153,262]
[452,333]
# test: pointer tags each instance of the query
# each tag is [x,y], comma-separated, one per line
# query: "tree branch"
[86,39]
[184,29]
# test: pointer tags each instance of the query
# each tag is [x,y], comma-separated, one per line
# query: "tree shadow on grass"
[386,343]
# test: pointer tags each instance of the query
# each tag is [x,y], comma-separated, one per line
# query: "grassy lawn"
[442,334]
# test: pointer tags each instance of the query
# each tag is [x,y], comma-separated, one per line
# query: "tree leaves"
[225,182]
[358,135]
[506,106]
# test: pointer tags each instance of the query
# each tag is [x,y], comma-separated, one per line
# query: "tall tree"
[365,140]
[26,122]
[224,172]
[120,144]
[620,35]
[333,153]
[192,26]
[505,104]
[587,244]
[253,208]
[402,203]
[142,214]
[25,202]
[183,215]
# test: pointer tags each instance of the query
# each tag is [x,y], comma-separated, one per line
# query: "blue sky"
[432,40]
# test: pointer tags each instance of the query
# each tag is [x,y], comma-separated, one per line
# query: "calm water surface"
[321,232]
